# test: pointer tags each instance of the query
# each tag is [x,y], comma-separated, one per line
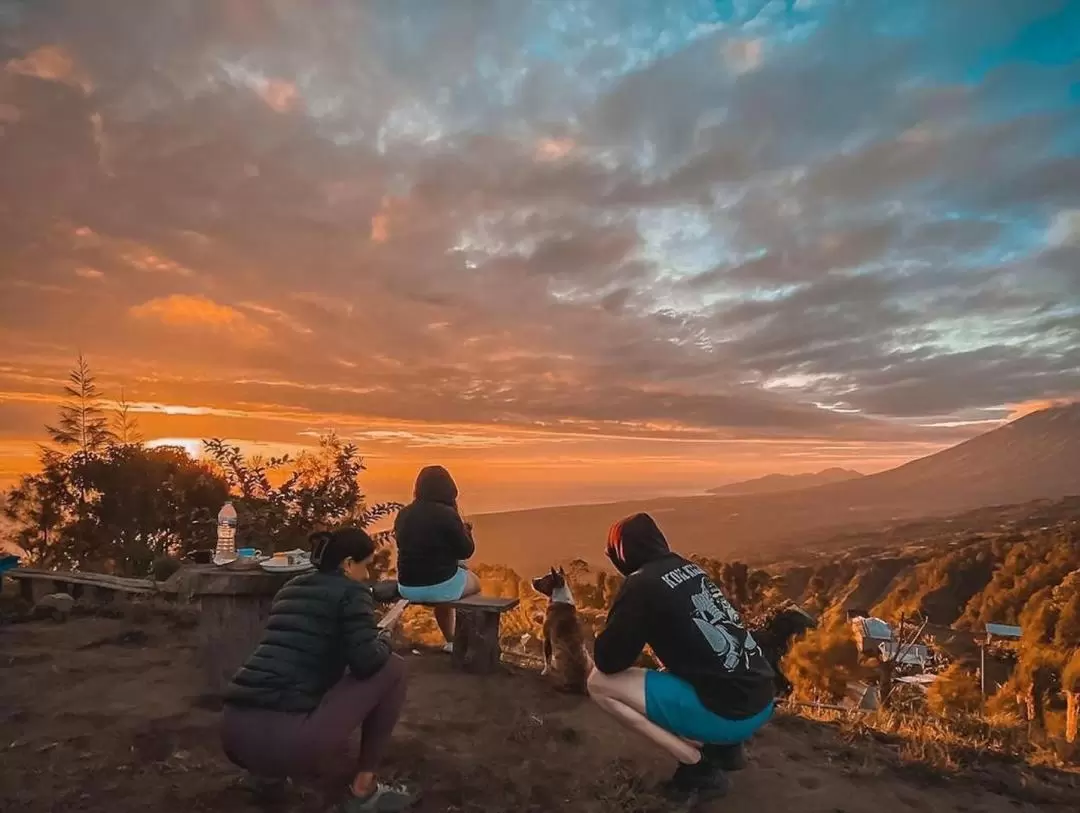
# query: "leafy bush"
[822,663]
[955,691]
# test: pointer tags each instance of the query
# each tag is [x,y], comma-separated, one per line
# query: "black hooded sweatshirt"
[671,604]
[431,536]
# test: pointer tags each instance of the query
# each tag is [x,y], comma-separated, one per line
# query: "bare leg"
[445,616]
[622,695]
[472,585]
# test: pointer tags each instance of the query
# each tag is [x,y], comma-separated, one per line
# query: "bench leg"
[476,641]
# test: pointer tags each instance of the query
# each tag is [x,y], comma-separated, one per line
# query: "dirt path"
[100,715]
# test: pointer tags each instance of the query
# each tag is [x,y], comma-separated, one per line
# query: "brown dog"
[565,658]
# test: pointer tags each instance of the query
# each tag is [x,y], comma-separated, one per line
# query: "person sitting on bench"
[717,687]
[322,670]
[433,543]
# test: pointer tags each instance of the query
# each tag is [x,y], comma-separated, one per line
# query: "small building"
[1007,632]
[909,655]
[997,657]
[870,633]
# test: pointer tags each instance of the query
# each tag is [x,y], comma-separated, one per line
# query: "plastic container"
[226,534]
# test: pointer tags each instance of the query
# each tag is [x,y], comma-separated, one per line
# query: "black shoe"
[702,782]
[725,757]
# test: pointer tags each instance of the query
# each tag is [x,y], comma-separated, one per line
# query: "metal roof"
[873,628]
[1004,630]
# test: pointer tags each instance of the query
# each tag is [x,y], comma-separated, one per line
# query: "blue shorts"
[672,704]
[450,590]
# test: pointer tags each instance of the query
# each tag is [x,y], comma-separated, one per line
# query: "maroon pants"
[273,744]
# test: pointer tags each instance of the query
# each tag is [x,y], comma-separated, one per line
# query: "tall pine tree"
[83,426]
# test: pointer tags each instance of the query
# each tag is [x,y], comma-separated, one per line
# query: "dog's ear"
[553,573]
[562,572]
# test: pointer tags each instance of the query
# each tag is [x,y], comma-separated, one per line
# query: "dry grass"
[992,751]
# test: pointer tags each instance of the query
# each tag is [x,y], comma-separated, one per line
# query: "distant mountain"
[772,483]
[1034,457]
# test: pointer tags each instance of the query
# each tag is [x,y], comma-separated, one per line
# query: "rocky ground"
[102,714]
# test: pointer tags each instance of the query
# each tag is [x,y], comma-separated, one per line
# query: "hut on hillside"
[905,654]
[997,656]
[870,633]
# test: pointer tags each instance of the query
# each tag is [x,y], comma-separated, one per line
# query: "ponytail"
[320,541]
[330,548]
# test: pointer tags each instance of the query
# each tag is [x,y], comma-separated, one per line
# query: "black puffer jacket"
[320,624]
[431,536]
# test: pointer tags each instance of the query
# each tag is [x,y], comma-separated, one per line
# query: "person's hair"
[330,548]
[435,484]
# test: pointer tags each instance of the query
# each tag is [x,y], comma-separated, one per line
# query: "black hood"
[434,484]
[634,542]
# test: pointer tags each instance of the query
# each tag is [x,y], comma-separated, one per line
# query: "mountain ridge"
[1033,457]
[771,483]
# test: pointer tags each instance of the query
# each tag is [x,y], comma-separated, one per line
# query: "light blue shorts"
[672,704]
[450,590]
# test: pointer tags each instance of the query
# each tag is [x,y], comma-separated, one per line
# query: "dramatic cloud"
[683,223]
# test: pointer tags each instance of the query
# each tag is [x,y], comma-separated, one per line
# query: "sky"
[575,251]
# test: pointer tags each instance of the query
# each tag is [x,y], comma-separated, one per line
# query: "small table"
[235,604]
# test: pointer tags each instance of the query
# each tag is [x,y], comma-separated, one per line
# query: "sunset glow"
[572,251]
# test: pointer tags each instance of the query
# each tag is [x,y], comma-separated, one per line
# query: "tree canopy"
[105,501]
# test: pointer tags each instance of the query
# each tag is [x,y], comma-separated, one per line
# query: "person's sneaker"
[725,757]
[702,782]
[384,799]
[448,649]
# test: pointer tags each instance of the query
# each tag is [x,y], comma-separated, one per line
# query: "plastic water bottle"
[226,533]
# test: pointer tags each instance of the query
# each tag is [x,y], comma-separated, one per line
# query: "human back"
[323,671]
[716,689]
[698,635]
[670,604]
[432,539]
[315,630]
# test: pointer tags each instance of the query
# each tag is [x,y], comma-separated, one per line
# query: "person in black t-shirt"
[716,688]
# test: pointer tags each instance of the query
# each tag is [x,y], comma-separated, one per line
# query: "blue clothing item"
[672,704]
[450,590]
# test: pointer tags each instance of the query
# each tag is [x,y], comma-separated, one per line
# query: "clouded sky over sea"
[574,250]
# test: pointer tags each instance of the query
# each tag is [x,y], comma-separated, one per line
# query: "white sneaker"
[448,649]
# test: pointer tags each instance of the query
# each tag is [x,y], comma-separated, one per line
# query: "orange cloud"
[278,316]
[53,63]
[143,259]
[391,210]
[279,95]
[1027,407]
[380,228]
[180,310]
[89,273]
[554,149]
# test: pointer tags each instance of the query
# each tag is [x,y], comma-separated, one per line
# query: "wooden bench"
[477,648]
[36,584]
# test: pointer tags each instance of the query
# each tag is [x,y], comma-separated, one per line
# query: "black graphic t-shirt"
[674,607]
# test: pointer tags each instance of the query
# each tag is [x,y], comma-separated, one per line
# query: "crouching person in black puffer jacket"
[322,670]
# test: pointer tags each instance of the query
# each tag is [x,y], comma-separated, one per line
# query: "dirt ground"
[105,715]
